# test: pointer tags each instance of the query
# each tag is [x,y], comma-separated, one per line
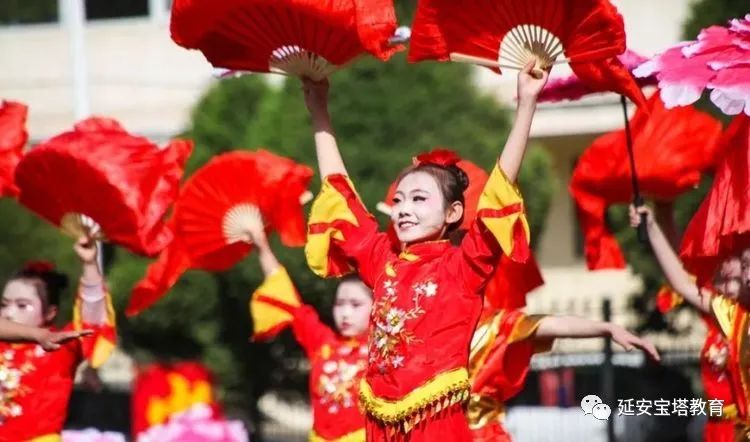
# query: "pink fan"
[719,61]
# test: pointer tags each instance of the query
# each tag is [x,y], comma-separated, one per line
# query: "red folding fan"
[672,149]
[216,207]
[98,180]
[13,138]
[721,226]
[310,38]
[507,34]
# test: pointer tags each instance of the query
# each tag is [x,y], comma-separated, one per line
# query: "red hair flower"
[438,157]
[39,267]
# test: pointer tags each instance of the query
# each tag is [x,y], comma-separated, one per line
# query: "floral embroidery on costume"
[11,376]
[390,336]
[717,356]
[338,384]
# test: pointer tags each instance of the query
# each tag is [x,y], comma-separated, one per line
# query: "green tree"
[704,13]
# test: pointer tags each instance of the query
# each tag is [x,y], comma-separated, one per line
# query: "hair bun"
[58,280]
[461,176]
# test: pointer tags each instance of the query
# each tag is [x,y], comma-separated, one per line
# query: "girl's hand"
[635,215]
[50,340]
[86,250]
[256,235]
[316,96]
[629,341]
[530,83]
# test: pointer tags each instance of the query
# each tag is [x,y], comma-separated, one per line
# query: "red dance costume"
[427,303]
[714,358]
[337,363]
[36,385]
[500,359]
[732,319]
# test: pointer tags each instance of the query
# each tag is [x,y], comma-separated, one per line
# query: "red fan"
[672,149]
[721,226]
[100,181]
[13,138]
[507,34]
[310,38]
[216,205]
[512,281]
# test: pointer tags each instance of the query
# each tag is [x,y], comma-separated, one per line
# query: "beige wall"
[136,74]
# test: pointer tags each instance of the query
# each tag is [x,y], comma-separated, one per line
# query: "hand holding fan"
[13,138]
[508,34]
[97,180]
[306,38]
[231,195]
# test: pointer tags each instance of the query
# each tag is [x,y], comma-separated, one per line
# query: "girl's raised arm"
[529,88]
[329,157]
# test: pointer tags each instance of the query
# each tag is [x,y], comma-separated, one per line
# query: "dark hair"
[48,283]
[451,180]
[352,277]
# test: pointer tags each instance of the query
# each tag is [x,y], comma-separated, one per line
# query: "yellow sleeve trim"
[279,286]
[354,436]
[104,344]
[444,390]
[501,195]
[329,206]
[724,311]
[269,319]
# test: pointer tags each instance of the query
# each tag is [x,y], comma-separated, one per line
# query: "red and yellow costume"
[427,303]
[337,363]
[732,319]
[713,367]
[500,358]
[36,385]
[161,391]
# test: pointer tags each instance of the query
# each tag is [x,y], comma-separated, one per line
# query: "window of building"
[14,12]
[98,9]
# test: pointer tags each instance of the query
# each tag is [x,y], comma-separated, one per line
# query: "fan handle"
[481,61]
[238,220]
[295,61]
[76,225]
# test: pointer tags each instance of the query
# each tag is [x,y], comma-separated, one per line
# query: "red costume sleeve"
[97,347]
[273,305]
[501,354]
[276,305]
[500,227]
[342,236]
[309,331]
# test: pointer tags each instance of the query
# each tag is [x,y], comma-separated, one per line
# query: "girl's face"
[351,311]
[21,303]
[418,210]
[745,273]
[728,278]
